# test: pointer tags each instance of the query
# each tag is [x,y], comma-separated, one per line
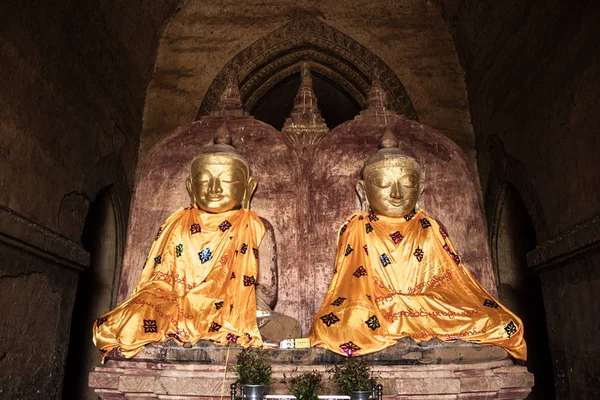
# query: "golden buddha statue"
[398,275]
[201,279]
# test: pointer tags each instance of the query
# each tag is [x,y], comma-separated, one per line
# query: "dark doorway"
[519,288]
[95,294]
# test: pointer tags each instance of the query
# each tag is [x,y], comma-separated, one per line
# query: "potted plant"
[254,372]
[306,385]
[354,377]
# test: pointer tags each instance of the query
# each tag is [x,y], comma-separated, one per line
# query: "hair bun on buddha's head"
[222,145]
[223,136]
[389,150]
[388,139]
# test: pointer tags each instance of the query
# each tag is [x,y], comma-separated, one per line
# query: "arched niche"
[331,54]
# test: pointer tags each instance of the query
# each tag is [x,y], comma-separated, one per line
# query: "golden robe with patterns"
[398,277]
[197,283]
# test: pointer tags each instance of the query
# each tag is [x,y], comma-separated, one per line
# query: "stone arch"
[507,170]
[329,52]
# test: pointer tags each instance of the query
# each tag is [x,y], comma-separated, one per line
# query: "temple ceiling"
[406,43]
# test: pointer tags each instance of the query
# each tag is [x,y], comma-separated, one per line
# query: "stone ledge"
[129,379]
[21,233]
[567,244]
[405,352]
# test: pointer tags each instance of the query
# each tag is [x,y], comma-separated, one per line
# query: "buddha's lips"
[397,203]
[215,198]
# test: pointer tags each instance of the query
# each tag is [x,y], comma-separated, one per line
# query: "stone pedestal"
[406,371]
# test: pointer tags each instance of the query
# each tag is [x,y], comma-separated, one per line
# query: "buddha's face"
[392,187]
[219,183]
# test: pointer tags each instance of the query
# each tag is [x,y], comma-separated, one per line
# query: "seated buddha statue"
[397,273]
[201,279]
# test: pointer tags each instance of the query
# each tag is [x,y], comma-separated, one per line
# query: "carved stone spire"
[377,100]
[305,127]
[230,101]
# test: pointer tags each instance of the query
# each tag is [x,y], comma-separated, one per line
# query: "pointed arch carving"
[329,52]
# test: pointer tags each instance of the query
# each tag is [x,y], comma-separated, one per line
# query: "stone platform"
[433,370]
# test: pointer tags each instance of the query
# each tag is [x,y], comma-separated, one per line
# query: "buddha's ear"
[421,190]
[362,196]
[250,188]
[188,186]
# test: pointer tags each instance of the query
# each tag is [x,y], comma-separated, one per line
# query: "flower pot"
[254,392]
[363,395]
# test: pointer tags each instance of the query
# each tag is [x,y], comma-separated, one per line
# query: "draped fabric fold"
[399,277]
[197,283]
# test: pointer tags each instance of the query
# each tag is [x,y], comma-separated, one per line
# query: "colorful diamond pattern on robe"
[244,248]
[100,321]
[349,348]
[330,319]
[338,301]
[510,328]
[396,237]
[425,223]
[179,250]
[349,250]
[232,338]
[443,233]
[214,327]
[419,253]
[373,217]
[175,336]
[366,249]
[343,229]
[385,260]
[490,303]
[150,326]
[205,255]
[408,217]
[218,305]
[225,225]
[455,256]
[368,228]
[195,228]
[255,251]
[249,280]
[360,271]
[373,322]
[158,233]
[158,259]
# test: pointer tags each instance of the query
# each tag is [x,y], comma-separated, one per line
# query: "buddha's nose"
[395,192]
[215,186]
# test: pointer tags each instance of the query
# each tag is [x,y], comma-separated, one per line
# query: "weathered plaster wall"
[532,77]
[409,36]
[73,77]
[572,309]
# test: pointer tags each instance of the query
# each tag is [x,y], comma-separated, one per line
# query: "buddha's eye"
[203,179]
[381,182]
[408,181]
[227,177]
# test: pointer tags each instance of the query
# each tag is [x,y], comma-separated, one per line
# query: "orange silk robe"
[197,283]
[398,277]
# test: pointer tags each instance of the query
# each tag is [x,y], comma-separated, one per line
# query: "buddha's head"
[391,183]
[220,179]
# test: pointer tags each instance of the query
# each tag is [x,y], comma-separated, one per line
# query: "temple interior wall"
[73,77]
[532,78]
[75,97]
